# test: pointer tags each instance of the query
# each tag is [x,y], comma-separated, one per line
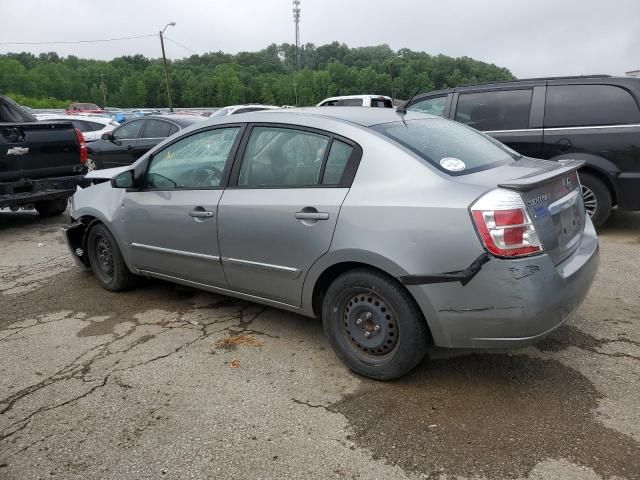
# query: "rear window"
[498,110]
[349,102]
[381,103]
[451,147]
[583,105]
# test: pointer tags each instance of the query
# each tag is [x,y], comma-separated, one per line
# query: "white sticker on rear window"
[453,164]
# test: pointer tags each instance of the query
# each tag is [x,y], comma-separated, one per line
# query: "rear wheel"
[50,208]
[597,198]
[106,260]
[374,325]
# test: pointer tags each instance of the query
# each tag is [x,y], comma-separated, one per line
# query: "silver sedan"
[398,229]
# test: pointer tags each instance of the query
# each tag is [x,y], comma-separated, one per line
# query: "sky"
[531,38]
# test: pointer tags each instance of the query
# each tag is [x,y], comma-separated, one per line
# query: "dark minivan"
[591,118]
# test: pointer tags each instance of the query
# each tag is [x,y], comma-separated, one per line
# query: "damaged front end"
[74,236]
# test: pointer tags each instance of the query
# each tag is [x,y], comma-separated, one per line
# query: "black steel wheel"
[374,325]
[106,260]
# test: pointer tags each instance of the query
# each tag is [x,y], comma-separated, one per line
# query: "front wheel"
[106,260]
[374,325]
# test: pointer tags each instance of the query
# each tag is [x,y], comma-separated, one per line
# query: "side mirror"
[107,136]
[123,180]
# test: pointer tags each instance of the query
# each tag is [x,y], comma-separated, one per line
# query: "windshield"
[220,113]
[452,147]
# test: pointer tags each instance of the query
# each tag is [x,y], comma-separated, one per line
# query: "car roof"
[365,117]
[530,82]
[86,118]
[182,120]
[346,97]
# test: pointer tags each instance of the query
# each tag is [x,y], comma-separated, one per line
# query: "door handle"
[201,213]
[130,147]
[312,215]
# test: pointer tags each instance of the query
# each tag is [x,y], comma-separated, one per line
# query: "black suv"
[591,118]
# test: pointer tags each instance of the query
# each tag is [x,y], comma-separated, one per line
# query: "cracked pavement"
[170,382]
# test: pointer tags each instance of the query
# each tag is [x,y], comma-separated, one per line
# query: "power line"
[78,41]
[181,45]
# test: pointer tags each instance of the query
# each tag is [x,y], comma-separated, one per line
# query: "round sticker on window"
[453,164]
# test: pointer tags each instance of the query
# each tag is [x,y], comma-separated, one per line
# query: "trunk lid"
[38,149]
[552,195]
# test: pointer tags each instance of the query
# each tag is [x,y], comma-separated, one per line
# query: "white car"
[235,109]
[376,101]
[92,127]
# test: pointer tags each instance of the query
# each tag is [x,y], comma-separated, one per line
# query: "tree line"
[216,79]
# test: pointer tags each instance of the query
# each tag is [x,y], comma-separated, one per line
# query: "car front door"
[505,115]
[278,215]
[171,222]
[119,149]
[154,132]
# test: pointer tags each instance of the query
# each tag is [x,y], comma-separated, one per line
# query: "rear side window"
[336,162]
[350,102]
[583,105]
[451,147]
[282,157]
[157,129]
[433,106]
[500,110]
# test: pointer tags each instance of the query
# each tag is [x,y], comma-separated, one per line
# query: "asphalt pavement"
[173,383]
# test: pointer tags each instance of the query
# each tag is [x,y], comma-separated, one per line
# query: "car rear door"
[279,213]
[171,222]
[513,116]
[120,149]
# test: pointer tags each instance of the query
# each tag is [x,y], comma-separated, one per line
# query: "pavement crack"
[311,405]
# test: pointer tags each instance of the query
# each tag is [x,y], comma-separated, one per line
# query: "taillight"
[82,145]
[504,225]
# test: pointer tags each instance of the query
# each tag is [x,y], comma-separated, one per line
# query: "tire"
[50,208]
[597,198]
[107,263]
[93,163]
[365,301]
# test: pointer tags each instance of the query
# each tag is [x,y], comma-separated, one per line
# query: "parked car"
[92,128]
[41,162]
[78,108]
[236,109]
[134,138]
[143,112]
[379,101]
[397,230]
[594,118]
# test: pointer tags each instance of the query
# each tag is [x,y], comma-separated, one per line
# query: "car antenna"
[402,109]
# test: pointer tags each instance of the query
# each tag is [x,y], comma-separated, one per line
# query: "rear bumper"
[628,191]
[510,303]
[26,191]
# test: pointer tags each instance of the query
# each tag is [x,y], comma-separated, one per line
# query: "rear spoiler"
[558,169]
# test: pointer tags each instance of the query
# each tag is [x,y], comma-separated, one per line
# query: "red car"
[76,108]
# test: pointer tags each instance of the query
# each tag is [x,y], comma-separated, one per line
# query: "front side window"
[498,110]
[583,105]
[129,130]
[451,147]
[194,162]
[432,106]
[282,157]
[157,129]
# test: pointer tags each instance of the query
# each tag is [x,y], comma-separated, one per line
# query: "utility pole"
[104,92]
[296,19]
[164,59]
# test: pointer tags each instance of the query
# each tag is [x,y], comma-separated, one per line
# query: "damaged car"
[400,230]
